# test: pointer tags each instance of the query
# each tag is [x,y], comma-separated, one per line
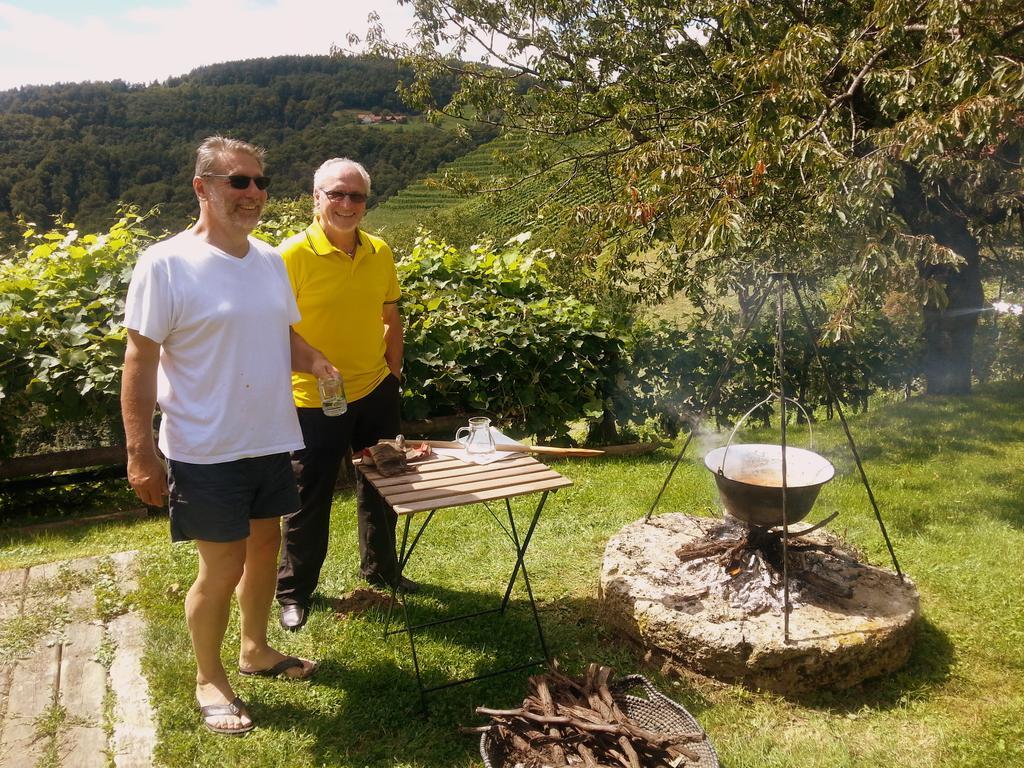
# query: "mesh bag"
[655,712]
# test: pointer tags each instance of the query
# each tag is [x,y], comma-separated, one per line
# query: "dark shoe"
[404,585]
[281,668]
[293,616]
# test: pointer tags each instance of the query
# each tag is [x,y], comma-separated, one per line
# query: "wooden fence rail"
[23,466]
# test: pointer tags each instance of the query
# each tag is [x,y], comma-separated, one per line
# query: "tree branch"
[845,95]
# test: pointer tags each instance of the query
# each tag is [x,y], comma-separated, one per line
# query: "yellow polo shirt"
[341,298]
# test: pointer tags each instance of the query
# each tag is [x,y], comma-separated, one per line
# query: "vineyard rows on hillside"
[501,207]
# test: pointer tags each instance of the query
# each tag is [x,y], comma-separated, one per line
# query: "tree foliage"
[880,141]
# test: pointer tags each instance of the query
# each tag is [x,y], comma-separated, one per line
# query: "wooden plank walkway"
[52,692]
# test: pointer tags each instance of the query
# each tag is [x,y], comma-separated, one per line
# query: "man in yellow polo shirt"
[347,291]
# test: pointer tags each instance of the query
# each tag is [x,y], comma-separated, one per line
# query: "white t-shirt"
[224,379]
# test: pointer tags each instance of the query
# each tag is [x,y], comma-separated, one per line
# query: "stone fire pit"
[850,621]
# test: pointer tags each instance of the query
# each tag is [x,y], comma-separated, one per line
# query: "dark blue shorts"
[215,502]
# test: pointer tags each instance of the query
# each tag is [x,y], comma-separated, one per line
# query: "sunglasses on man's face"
[239,181]
[337,195]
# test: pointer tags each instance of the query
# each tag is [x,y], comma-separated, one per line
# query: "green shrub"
[672,371]
[283,218]
[61,342]
[999,344]
[1009,344]
[487,331]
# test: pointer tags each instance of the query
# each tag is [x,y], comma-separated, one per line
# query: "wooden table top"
[446,482]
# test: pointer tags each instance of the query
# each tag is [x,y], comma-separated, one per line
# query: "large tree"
[876,141]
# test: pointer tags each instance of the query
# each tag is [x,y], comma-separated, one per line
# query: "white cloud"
[142,44]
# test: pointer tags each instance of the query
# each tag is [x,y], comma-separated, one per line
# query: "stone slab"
[649,594]
[83,747]
[124,561]
[6,672]
[12,588]
[13,581]
[82,605]
[10,609]
[52,571]
[83,680]
[32,692]
[134,730]
[124,565]
[69,672]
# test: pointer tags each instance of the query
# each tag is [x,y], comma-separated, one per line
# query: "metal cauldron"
[749,479]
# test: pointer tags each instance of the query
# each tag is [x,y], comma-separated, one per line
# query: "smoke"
[1006,308]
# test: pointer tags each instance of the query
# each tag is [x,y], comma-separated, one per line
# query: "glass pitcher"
[476,438]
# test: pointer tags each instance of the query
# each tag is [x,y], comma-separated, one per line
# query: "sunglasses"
[337,195]
[238,181]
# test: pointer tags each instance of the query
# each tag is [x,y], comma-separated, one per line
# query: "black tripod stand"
[777,284]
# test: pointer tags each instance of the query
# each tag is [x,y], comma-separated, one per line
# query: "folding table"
[448,482]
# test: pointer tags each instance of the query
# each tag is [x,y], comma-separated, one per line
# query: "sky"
[44,41]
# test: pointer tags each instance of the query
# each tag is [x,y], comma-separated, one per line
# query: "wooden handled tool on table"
[516,448]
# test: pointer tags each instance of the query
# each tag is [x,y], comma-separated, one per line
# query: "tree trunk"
[948,331]
[745,294]
[603,432]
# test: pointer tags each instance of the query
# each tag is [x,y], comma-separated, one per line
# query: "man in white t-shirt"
[208,317]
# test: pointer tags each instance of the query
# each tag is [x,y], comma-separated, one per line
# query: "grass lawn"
[947,478]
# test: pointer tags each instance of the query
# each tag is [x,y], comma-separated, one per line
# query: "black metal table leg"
[521,548]
[521,563]
[402,557]
[410,629]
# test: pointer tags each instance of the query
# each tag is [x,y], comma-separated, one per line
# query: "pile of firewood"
[567,721]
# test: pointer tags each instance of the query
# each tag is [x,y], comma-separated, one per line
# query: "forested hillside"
[79,148]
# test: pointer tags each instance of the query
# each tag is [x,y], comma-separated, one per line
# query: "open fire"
[745,566]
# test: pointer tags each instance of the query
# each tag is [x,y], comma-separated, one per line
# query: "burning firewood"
[732,547]
[568,721]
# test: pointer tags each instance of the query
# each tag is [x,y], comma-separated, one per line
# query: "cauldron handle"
[810,429]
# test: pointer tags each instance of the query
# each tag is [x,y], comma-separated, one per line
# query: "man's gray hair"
[318,177]
[213,147]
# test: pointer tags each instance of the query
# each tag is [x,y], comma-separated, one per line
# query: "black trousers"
[305,532]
